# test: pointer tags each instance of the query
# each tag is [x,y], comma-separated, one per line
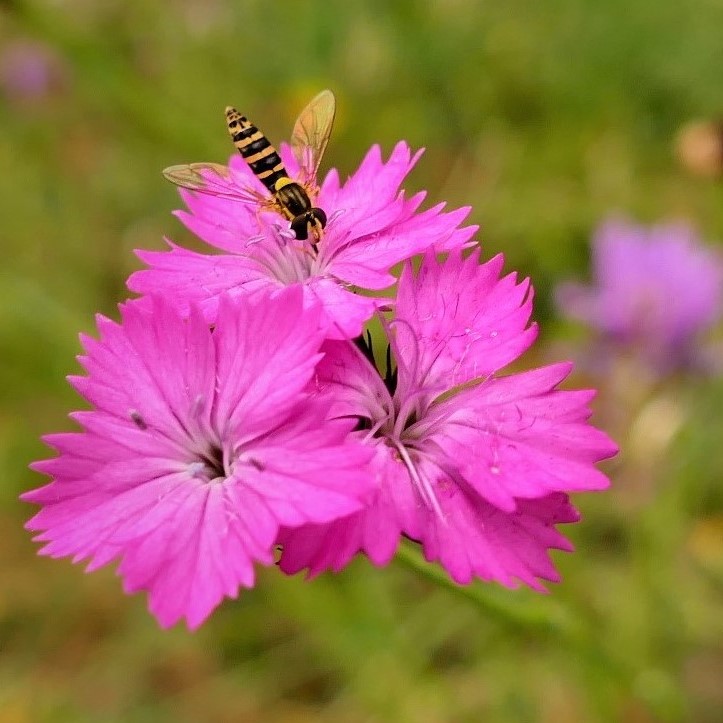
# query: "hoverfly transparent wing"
[311,133]
[212,179]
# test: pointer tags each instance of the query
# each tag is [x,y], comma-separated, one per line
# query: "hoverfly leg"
[339,212]
[254,240]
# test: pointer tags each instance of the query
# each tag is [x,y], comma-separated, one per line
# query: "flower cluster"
[236,407]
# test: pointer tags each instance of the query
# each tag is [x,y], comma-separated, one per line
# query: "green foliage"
[544,117]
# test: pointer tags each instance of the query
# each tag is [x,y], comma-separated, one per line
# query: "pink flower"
[200,444]
[473,466]
[371,227]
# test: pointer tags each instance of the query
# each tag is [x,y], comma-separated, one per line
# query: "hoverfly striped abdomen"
[292,199]
[256,149]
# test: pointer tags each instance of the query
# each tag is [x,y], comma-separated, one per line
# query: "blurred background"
[546,118]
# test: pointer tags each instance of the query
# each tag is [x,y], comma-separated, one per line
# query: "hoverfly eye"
[320,216]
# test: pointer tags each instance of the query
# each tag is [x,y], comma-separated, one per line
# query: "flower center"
[399,422]
[286,259]
[395,418]
[212,463]
[401,433]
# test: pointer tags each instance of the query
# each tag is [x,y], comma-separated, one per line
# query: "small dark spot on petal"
[137,419]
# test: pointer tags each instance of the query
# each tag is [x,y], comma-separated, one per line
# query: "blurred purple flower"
[655,290]
[29,70]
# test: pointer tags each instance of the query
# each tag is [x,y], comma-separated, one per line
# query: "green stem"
[545,617]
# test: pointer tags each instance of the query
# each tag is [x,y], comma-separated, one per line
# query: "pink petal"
[351,384]
[509,444]
[185,278]
[191,559]
[373,186]
[459,321]
[266,355]
[476,540]
[345,312]
[132,392]
[366,260]
[375,530]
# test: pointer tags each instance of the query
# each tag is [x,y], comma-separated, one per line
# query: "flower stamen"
[422,483]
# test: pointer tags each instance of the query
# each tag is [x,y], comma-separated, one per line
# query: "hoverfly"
[290,198]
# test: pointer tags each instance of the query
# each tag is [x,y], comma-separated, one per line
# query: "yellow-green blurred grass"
[544,117]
